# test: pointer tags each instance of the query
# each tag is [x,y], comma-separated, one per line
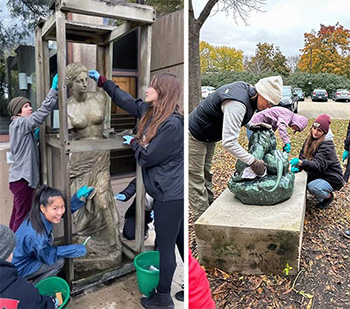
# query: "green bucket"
[51,285]
[147,279]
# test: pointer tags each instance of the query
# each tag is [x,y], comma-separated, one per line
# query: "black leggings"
[168,221]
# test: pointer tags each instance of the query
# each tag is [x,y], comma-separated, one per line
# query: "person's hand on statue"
[345,155]
[128,139]
[84,192]
[260,127]
[120,197]
[287,148]
[54,85]
[94,75]
[258,167]
[295,170]
[294,162]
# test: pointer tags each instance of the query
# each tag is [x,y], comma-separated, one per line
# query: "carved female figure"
[99,219]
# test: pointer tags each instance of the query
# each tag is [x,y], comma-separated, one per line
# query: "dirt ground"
[323,280]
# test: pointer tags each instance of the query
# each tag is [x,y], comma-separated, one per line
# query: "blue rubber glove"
[94,75]
[345,155]
[120,197]
[84,191]
[54,85]
[287,148]
[56,303]
[128,139]
[37,133]
[294,162]
[80,250]
[295,170]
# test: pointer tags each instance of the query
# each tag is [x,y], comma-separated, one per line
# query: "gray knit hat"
[270,88]
[16,105]
[7,242]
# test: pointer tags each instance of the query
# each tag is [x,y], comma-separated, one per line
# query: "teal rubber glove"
[37,133]
[120,197]
[84,191]
[345,155]
[295,170]
[128,139]
[94,75]
[287,148]
[294,162]
[54,85]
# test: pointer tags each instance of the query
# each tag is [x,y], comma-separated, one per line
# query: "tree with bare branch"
[239,9]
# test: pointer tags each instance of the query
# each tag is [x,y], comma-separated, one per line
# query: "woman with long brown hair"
[319,160]
[158,149]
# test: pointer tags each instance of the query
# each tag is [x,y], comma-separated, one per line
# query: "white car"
[206,90]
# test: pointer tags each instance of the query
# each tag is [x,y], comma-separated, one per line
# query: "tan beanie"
[16,105]
[270,88]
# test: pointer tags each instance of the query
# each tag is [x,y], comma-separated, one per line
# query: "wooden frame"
[58,28]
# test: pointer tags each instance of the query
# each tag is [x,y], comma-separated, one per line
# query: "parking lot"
[337,110]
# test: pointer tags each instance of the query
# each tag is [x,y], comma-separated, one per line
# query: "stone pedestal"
[253,239]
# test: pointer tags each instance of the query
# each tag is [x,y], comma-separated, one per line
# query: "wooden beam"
[122,30]
[49,26]
[145,59]
[126,11]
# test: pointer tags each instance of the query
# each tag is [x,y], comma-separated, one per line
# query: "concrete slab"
[253,239]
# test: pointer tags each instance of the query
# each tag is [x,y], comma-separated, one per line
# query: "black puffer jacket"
[324,165]
[205,121]
[15,288]
[162,161]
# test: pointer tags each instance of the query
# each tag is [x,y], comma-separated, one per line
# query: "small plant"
[287,269]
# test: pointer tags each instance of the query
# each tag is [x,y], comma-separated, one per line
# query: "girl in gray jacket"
[24,171]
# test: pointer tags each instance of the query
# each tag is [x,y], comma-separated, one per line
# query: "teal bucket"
[147,271]
[51,285]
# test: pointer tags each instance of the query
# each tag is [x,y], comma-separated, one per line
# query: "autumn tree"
[268,58]
[326,51]
[237,8]
[220,58]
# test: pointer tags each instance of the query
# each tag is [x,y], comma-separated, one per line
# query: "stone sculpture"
[276,186]
[99,219]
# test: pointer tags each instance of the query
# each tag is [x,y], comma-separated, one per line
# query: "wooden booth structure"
[56,146]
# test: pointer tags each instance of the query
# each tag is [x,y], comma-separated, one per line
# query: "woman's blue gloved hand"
[84,191]
[345,155]
[287,148]
[37,133]
[120,197]
[54,85]
[128,139]
[294,162]
[295,170]
[94,75]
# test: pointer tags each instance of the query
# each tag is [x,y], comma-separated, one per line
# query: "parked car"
[289,99]
[300,93]
[342,95]
[206,90]
[319,95]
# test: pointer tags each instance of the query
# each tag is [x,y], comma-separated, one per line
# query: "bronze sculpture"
[99,219]
[276,186]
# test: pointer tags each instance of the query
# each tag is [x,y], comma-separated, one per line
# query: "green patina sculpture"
[277,186]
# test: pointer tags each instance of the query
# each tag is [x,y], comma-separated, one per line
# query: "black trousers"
[168,221]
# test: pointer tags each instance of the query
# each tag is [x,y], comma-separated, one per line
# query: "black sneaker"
[180,295]
[346,234]
[158,301]
[325,203]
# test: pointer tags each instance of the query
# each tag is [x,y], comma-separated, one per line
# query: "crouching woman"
[319,160]
[34,256]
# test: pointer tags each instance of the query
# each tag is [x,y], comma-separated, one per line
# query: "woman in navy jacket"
[158,149]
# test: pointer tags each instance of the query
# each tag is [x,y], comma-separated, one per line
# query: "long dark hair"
[169,89]
[311,145]
[43,197]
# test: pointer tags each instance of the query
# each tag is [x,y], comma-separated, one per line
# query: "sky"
[283,23]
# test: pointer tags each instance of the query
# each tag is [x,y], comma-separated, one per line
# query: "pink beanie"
[323,122]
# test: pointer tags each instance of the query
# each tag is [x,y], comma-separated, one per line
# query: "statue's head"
[73,70]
